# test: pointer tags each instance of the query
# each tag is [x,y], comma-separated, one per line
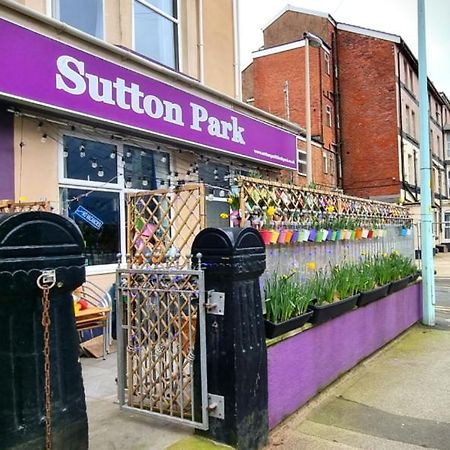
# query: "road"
[443,303]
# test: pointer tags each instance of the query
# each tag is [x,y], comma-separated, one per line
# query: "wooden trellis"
[162,224]
[297,204]
[9,206]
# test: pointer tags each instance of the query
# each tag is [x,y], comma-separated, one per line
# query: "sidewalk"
[397,399]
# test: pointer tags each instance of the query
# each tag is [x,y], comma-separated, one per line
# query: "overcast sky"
[392,16]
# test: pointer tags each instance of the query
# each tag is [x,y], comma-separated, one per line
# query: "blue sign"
[88,217]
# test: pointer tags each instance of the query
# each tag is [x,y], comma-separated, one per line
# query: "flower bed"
[331,293]
[302,365]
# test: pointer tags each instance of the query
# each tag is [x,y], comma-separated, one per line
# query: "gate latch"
[216,406]
[216,303]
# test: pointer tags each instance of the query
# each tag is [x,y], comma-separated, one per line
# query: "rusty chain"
[45,282]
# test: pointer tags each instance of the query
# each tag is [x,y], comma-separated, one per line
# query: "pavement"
[396,399]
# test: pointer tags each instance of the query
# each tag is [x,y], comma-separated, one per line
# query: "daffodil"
[330,208]
[230,200]
[311,265]
[224,215]
[270,211]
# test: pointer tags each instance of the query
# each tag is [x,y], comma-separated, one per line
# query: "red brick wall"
[368,115]
[269,76]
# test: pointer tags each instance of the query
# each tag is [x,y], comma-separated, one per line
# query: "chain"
[45,282]
[47,382]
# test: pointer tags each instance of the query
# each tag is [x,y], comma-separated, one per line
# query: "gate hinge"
[216,406]
[216,303]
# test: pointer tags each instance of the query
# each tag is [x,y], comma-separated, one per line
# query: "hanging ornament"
[100,172]
[66,152]
[94,163]
[44,138]
[128,153]
[144,182]
[128,183]
[82,151]
[112,155]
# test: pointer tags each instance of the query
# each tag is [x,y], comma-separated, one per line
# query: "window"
[327,63]
[438,142]
[102,242]
[85,15]
[408,124]
[94,178]
[302,170]
[405,72]
[325,163]
[437,111]
[328,113]
[447,225]
[411,80]
[410,174]
[332,167]
[413,124]
[448,145]
[156,30]
[431,140]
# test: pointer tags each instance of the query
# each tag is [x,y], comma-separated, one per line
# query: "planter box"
[373,295]
[302,365]
[277,329]
[398,285]
[324,313]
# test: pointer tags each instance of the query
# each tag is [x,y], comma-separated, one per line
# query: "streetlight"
[314,41]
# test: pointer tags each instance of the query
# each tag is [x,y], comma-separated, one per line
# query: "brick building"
[364,105]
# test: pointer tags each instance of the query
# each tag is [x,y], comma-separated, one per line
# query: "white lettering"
[199,114]
[174,113]
[237,131]
[106,95]
[121,90]
[136,95]
[79,85]
[153,106]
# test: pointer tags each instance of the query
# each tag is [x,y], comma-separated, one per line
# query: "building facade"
[277,79]
[370,91]
[99,99]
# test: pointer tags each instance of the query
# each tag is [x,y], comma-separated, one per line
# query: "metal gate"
[161,344]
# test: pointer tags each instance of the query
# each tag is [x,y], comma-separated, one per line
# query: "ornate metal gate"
[161,343]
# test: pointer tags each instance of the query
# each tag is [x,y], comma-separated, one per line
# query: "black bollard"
[31,242]
[233,259]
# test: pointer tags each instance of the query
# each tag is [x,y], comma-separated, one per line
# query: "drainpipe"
[400,118]
[201,44]
[237,70]
[428,292]
[337,108]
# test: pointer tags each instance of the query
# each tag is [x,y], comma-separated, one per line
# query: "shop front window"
[97,214]
[85,15]
[156,30]
[89,160]
[95,177]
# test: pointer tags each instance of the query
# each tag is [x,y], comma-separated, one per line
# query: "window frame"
[326,57]
[303,161]
[328,113]
[176,20]
[54,11]
[119,187]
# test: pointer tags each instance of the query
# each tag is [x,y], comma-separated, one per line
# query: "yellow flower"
[230,200]
[330,208]
[224,215]
[396,252]
[311,265]
[270,211]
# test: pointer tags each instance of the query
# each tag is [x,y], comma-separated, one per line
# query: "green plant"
[286,298]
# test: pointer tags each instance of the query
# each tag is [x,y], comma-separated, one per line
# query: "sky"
[391,16]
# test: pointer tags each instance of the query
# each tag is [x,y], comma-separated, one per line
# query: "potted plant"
[335,293]
[286,303]
[401,268]
[374,281]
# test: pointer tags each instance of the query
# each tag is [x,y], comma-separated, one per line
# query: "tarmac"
[398,398]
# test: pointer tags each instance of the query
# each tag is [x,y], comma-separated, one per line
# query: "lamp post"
[428,291]
[314,41]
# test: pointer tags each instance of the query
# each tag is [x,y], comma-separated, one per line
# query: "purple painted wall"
[300,367]
[6,154]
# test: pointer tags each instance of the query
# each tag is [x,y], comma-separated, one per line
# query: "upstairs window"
[85,15]
[156,30]
[328,116]
[302,170]
[327,63]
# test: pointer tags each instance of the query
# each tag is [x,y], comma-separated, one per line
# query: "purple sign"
[41,70]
